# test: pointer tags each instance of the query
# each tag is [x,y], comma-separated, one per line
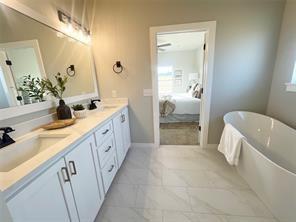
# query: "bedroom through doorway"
[180,68]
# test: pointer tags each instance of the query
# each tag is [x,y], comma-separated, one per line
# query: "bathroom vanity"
[58,175]
[63,175]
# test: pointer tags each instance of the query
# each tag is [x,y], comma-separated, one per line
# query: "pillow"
[197,91]
[196,86]
[195,94]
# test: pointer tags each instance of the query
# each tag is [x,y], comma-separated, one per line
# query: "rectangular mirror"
[31,51]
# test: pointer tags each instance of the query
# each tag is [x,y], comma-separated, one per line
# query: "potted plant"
[79,111]
[33,87]
[57,90]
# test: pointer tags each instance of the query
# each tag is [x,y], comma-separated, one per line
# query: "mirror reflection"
[31,51]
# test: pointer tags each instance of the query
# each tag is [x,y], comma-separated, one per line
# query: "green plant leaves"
[56,90]
[36,87]
[33,87]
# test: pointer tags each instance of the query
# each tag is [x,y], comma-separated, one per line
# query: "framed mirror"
[31,51]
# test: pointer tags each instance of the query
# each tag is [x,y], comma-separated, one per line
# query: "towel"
[230,144]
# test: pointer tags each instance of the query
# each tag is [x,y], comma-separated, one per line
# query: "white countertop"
[10,180]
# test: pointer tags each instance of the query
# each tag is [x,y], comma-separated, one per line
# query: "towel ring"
[71,71]
[116,66]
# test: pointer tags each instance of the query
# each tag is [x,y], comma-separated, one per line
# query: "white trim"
[290,87]
[210,29]
[7,81]
[143,145]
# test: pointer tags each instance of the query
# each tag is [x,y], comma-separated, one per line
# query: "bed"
[185,103]
[185,108]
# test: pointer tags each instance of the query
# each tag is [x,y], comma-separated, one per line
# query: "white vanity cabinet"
[73,188]
[126,129]
[122,134]
[49,196]
[67,191]
[105,154]
[84,181]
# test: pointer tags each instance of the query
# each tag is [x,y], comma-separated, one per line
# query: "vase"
[63,111]
[80,114]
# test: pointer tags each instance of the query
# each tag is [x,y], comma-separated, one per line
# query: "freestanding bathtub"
[268,161]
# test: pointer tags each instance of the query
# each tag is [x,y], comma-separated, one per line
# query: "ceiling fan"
[161,46]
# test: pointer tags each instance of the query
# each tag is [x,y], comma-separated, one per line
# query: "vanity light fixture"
[73,28]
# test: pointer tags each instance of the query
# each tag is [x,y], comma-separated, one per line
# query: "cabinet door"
[126,129]
[118,134]
[47,198]
[84,180]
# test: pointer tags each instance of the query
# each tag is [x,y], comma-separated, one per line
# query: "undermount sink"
[17,153]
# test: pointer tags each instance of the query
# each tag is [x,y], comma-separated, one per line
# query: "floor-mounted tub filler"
[268,161]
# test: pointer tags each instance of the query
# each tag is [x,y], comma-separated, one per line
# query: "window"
[165,80]
[291,87]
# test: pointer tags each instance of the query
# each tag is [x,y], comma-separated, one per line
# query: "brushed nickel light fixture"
[74,28]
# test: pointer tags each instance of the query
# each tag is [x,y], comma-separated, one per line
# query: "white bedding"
[185,103]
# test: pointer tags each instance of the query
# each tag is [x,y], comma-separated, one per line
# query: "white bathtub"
[268,161]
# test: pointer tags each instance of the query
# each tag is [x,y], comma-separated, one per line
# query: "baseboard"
[212,146]
[143,145]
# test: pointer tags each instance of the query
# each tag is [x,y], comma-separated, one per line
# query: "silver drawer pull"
[106,131]
[65,174]
[111,168]
[72,166]
[108,149]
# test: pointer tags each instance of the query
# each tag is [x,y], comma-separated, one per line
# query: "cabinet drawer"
[103,132]
[109,172]
[106,150]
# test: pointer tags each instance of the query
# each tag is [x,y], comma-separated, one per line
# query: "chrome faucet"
[6,139]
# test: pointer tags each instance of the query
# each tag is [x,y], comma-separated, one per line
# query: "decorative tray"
[58,124]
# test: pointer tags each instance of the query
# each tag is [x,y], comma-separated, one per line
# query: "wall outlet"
[114,93]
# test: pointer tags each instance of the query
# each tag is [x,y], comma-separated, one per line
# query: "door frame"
[210,29]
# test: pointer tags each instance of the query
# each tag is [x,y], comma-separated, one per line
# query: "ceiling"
[181,41]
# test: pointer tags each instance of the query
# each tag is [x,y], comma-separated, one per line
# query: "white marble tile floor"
[173,184]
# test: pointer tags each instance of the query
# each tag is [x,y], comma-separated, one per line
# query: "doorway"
[182,67]
[180,59]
